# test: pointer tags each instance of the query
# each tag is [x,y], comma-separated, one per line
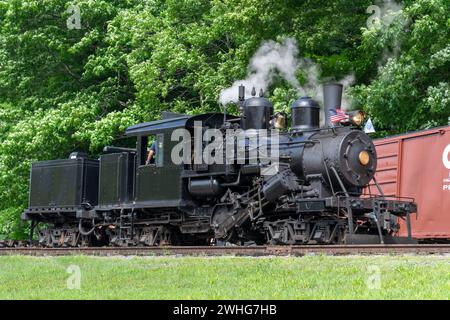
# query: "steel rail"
[295,250]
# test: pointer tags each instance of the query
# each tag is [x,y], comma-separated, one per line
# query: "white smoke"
[271,58]
[387,12]
[390,10]
[281,58]
[312,86]
[346,99]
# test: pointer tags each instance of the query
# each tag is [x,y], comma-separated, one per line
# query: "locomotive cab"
[167,182]
[157,184]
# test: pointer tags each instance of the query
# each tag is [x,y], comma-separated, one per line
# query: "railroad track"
[234,250]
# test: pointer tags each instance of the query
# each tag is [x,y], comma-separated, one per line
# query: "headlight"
[364,158]
[357,118]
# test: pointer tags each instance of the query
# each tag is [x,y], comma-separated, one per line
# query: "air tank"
[205,188]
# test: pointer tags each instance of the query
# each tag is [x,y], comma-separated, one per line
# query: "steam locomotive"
[305,189]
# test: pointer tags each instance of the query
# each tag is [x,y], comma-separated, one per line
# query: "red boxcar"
[417,165]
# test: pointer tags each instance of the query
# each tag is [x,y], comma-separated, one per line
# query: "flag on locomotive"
[340,117]
[337,115]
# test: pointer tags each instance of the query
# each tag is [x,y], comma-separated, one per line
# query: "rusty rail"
[234,250]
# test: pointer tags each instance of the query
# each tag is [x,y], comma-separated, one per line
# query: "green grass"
[311,277]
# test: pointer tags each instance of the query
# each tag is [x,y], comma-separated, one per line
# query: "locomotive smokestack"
[332,99]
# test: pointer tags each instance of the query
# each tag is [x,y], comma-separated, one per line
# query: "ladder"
[126,228]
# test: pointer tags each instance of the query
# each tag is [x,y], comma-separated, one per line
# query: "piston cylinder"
[205,188]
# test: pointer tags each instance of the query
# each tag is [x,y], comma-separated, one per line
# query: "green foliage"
[66,89]
[411,90]
[49,92]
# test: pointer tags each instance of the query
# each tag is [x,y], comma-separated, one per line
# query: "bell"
[280,121]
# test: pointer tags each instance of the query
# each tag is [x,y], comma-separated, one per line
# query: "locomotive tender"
[311,195]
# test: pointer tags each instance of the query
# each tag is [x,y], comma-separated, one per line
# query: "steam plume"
[269,59]
[281,58]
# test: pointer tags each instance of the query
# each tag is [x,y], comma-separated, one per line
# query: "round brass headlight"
[358,118]
[364,158]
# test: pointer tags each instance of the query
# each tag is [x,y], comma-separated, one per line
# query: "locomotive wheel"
[158,236]
[291,232]
[165,237]
[62,237]
[85,241]
[45,238]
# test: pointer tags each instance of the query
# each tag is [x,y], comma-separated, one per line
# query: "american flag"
[337,115]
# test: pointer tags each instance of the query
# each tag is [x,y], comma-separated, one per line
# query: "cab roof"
[212,120]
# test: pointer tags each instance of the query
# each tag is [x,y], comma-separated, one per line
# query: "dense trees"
[411,89]
[63,89]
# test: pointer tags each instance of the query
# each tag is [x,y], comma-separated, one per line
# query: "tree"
[411,90]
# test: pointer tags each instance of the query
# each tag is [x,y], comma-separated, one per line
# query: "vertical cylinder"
[305,114]
[257,113]
[241,94]
[332,99]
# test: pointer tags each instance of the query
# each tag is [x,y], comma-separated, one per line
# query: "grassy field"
[311,277]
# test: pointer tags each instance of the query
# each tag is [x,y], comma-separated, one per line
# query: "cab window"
[155,150]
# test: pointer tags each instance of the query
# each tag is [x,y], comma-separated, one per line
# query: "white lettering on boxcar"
[445,155]
[446,162]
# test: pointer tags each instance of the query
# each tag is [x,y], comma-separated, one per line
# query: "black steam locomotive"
[307,191]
